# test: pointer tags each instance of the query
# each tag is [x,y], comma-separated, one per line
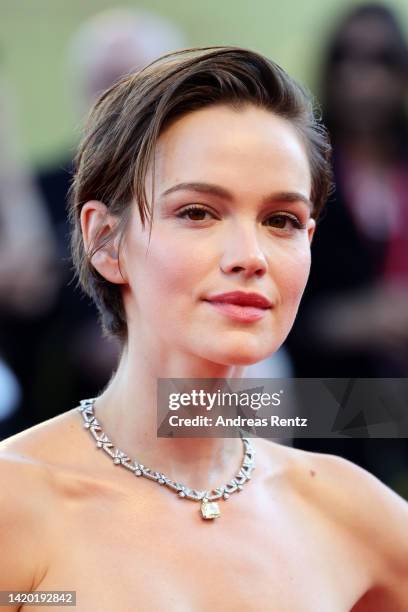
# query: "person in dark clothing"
[28,275]
[354,317]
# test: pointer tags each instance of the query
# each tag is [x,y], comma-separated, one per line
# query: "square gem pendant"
[210,510]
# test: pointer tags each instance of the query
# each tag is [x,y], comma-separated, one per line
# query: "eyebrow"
[221,192]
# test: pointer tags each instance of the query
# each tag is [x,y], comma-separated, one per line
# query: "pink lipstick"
[241,306]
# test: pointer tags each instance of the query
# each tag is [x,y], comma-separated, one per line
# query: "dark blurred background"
[55,58]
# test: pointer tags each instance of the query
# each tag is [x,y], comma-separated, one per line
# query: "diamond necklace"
[209,507]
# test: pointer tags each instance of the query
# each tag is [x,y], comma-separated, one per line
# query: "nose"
[242,253]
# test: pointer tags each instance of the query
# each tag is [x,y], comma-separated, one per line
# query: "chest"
[164,556]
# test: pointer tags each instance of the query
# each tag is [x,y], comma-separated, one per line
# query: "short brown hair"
[125,123]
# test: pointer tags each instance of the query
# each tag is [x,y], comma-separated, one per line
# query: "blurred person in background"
[357,295]
[28,272]
[76,360]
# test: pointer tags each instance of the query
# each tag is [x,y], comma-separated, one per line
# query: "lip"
[241,306]
[240,298]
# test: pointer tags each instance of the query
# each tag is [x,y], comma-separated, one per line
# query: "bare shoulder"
[46,455]
[27,502]
[367,511]
[352,495]
[371,509]
[42,440]
[24,504]
[377,518]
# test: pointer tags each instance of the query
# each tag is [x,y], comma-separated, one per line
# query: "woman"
[219,150]
[359,277]
[364,90]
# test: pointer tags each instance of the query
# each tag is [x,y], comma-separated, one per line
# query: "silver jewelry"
[209,506]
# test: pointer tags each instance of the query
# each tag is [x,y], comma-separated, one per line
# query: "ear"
[97,223]
[311,227]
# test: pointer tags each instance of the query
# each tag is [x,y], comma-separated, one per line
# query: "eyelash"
[296,224]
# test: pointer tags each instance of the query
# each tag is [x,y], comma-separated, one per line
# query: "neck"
[127,411]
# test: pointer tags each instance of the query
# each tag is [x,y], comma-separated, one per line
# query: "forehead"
[246,150]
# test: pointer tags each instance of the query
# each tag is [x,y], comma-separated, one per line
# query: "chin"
[241,353]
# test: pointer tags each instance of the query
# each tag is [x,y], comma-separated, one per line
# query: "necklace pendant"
[210,510]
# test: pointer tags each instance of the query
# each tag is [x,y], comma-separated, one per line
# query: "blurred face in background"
[231,213]
[366,76]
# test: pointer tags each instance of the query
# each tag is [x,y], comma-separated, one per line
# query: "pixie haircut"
[123,127]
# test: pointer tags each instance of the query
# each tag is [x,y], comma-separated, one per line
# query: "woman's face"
[231,213]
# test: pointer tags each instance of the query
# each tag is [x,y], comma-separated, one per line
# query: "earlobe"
[100,243]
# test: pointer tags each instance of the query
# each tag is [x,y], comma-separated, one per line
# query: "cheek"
[173,267]
[292,274]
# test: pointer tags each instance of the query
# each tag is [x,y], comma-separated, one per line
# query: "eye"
[281,220]
[195,213]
